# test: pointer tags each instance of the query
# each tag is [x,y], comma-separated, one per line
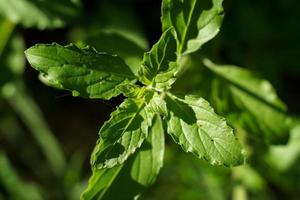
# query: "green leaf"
[131,90]
[193,124]
[128,180]
[155,105]
[193,26]
[85,72]
[39,13]
[123,133]
[114,43]
[158,105]
[160,66]
[149,159]
[253,98]
[100,182]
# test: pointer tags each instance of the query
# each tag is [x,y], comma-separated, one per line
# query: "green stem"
[239,193]
[14,185]
[28,111]
[5,33]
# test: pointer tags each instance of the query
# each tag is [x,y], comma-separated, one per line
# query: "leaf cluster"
[135,131]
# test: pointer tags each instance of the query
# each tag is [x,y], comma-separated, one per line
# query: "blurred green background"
[46,135]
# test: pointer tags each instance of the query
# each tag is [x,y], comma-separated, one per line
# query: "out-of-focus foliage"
[12,182]
[11,53]
[39,13]
[283,157]
[259,110]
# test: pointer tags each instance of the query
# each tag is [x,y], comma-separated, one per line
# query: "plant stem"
[239,193]
[25,107]
[13,184]
[5,33]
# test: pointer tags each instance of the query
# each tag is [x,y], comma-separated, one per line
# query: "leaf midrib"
[140,107]
[187,26]
[80,66]
[160,62]
[110,182]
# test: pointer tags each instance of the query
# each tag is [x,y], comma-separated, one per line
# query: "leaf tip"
[27,52]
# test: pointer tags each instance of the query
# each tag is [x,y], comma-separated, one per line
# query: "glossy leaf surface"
[85,72]
[194,125]
[123,133]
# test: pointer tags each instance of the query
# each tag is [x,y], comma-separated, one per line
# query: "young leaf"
[193,124]
[131,90]
[123,133]
[158,105]
[128,180]
[260,109]
[86,72]
[159,66]
[115,43]
[40,14]
[193,27]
